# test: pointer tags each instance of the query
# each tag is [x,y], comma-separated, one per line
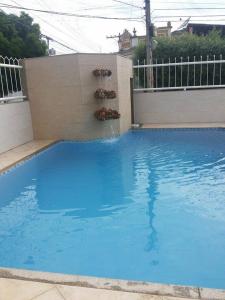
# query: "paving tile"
[12,289]
[212,294]
[185,125]
[81,293]
[175,298]
[148,288]
[17,154]
[104,283]
[53,294]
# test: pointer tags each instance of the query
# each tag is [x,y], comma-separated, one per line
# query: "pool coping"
[143,127]
[25,157]
[157,289]
[193,125]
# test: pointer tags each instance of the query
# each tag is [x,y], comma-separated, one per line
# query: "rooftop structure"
[127,42]
[199,29]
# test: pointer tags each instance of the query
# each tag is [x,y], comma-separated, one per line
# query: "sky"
[89,35]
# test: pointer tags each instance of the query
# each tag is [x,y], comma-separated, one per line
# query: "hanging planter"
[111,94]
[106,73]
[100,94]
[104,114]
[113,114]
[102,72]
[104,94]
[97,72]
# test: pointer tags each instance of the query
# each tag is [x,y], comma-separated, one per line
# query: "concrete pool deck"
[26,285]
[18,154]
[183,125]
[25,290]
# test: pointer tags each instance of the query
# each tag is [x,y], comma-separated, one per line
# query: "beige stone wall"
[124,74]
[197,106]
[15,125]
[61,89]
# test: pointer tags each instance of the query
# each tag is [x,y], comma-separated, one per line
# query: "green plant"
[102,72]
[104,94]
[182,48]
[104,114]
[20,37]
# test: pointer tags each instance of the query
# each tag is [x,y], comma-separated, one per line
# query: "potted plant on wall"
[100,94]
[104,94]
[110,94]
[104,114]
[102,73]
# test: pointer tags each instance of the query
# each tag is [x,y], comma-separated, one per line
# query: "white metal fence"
[180,74]
[11,89]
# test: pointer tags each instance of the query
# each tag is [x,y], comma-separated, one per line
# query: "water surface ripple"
[149,205]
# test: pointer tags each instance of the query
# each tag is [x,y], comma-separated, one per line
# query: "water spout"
[113,135]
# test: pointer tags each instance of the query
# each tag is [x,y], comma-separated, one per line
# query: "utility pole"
[149,35]
[48,39]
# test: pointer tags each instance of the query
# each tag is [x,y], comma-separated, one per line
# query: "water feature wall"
[62,94]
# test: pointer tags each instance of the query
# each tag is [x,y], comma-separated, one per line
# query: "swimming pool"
[149,206]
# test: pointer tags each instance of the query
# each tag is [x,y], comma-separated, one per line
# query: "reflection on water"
[147,206]
[152,190]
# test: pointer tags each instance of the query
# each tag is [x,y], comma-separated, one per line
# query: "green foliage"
[184,46]
[20,37]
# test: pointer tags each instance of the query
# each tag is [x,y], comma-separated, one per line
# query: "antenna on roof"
[184,24]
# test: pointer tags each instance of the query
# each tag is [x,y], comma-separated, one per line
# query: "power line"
[189,16]
[129,4]
[50,24]
[191,3]
[88,44]
[43,35]
[104,7]
[50,38]
[54,40]
[95,7]
[67,14]
[198,20]
[189,8]
[70,33]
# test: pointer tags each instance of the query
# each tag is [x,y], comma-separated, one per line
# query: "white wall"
[198,106]
[15,125]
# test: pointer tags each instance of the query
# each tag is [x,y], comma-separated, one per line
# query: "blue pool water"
[149,205]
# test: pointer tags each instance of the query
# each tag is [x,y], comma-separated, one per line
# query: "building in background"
[127,41]
[198,29]
[165,31]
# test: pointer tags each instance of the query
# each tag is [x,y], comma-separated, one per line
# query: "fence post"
[195,74]
[11,85]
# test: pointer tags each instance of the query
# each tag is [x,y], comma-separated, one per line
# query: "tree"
[20,37]
[183,47]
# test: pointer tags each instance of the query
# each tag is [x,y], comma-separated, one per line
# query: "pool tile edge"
[114,284]
[24,155]
[181,125]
